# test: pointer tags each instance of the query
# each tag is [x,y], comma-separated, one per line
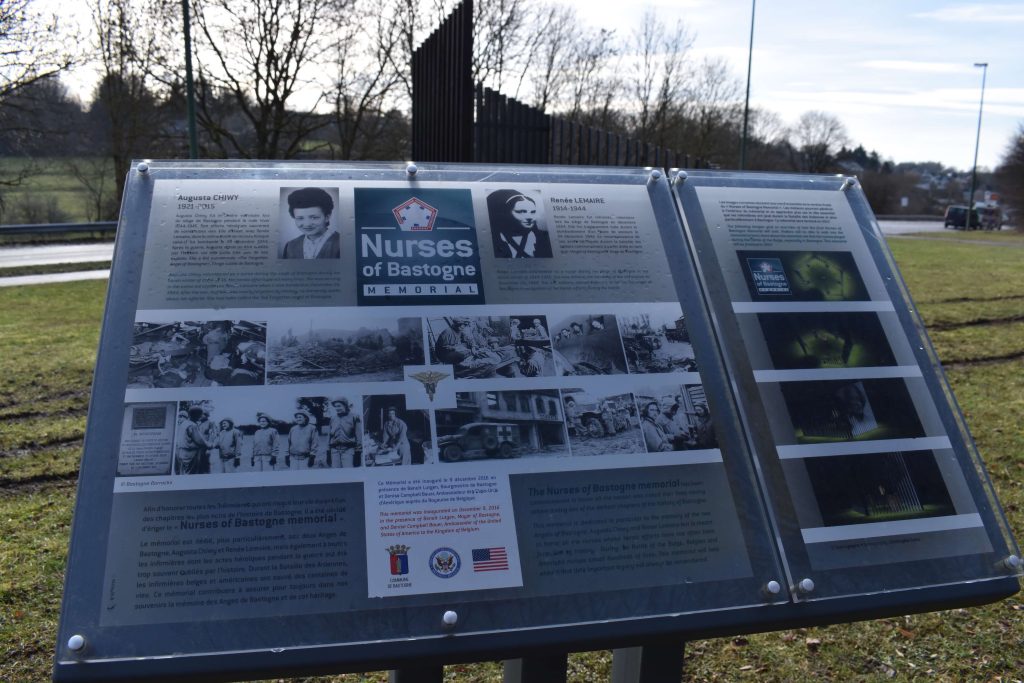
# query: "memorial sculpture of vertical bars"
[442,86]
[455,121]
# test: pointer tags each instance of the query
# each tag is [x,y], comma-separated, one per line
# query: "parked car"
[956,217]
[480,440]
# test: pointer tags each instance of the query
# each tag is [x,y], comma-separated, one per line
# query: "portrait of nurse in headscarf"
[517,225]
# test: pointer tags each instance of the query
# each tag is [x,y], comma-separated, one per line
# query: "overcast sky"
[898,73]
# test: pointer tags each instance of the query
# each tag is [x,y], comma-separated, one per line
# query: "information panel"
[333,403]
[873,477]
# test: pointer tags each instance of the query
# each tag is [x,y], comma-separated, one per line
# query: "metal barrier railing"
[50,228]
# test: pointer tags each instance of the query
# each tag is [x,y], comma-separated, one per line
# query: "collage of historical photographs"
[362,418]
[813,354]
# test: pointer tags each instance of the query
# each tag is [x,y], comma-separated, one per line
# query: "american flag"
[489,559]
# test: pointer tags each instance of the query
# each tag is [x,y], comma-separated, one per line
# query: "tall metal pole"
[190,88]
[977,140]
[746,102]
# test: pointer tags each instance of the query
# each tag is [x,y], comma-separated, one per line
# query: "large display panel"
[874,482]
[345,415]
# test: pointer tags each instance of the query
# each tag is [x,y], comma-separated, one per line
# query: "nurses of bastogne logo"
[415,215]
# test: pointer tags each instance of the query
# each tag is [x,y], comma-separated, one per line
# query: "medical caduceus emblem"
[429,380]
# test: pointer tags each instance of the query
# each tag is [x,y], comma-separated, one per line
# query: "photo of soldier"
[675,418]
[197,354]
[189,443]
[495,346]
[265,446]
[246,436]
[838,410]
[370,349]
[302,442]
[226,452]
[518,228]
[344,434]
[588,344]
[392,434]
[657,341]
[309,213]
[501,425]
[601,424]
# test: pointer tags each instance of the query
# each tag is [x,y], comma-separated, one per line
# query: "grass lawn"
[972,294]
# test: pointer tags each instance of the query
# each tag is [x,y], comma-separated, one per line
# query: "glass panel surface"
[334,402]
[874,480]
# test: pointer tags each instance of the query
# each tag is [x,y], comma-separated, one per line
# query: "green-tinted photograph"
[825,340]
[802,276]
[865,410]
[878,487]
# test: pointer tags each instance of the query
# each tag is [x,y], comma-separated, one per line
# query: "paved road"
[58,253]
[84,253]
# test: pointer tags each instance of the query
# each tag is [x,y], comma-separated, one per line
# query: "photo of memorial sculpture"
[601,423]
[675,418]
[825,340]
[878,487]
[197,354]
[840,410]
[502,425]
[394,435]
[335,349]
[518,225]
[656,340]
[802,276]
[587,344]
[492,346]
[309,229]
[252,434]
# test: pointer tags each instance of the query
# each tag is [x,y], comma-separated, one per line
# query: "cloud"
[991,13]
[917,67]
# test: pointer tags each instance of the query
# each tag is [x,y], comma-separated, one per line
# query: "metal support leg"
[662,663]
[550,669]
[417,674]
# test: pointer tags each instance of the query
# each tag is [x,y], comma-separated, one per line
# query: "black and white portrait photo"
[518,226]
[308,229]
[197,354]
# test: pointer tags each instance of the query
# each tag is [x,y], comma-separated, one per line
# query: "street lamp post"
[746,102]
[977,141]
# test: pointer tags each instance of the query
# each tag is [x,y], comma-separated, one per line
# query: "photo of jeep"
[480,440]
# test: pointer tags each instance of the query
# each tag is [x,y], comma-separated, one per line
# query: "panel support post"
[550,669]
[660,663]
[417,674]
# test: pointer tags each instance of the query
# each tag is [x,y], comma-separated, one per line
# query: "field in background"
[970,295]
[54,189]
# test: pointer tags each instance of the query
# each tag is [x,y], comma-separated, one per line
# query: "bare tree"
[260,54]
[1010,175]
[817,137]
[367,82]
[712,111]
[658,57]
[136,65]
[31,51]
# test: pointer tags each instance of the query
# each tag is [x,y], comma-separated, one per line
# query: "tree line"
[331,79]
